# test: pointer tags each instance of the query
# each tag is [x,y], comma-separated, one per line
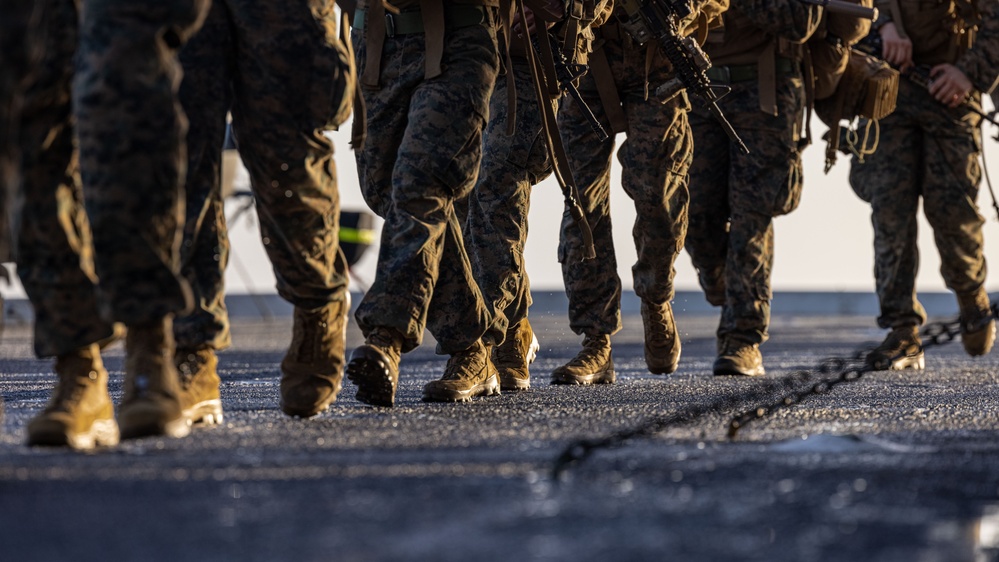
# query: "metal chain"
[788,388]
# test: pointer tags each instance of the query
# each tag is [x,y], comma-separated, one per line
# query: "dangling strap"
[650,55]
[432,12]
[359,126]
[609,98]
[549,124]
[767,67]
[374,40]
[507,10]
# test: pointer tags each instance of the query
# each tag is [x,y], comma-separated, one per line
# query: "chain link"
[789,389]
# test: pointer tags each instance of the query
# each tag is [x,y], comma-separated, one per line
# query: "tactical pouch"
[868,88]
[875,84]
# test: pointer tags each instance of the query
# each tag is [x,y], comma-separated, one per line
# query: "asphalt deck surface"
[893,467]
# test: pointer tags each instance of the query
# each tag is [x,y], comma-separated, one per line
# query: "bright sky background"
[826,244]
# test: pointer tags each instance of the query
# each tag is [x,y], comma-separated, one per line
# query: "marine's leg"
[205,95]
[890,180]
[133,163]
[495,231]
[707,232]
[464,324]
[374,366]
[53,239]
[593,286]
[655,159]
[950,189]
[287,69]
[762,184]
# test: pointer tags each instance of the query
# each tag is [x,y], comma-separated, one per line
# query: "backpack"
[829,48]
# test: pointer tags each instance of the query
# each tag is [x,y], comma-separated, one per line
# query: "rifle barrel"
[846,8]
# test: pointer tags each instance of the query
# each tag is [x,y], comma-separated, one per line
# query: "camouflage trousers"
[654,158]
[496,226]
[271,65]
[734,198]
[925,150]
[422,154]
[41,189]
[130,137]
[132,151]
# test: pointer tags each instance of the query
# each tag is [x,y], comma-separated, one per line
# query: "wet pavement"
[893,467]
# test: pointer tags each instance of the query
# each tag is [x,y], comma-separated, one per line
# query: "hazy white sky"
[826,244]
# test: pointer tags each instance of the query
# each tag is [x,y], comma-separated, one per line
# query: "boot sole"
[307,412]
[490,387]
[375,385]
[514,384]
[663,366]
[102,433]
[733,371]
[174,429]
[603,377]
[725,368]
[913,362]
[906,363]
[206,412]
[662,369]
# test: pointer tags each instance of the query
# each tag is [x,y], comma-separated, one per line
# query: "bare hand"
[896,50]
[949,85]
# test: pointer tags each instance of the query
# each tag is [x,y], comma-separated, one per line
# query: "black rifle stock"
[658,20]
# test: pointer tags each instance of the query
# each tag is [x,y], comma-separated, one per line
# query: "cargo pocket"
[789,196]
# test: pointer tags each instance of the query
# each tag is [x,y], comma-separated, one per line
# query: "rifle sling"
[549,126]
[609,98]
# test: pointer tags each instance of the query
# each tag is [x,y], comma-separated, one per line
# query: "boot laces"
[658,318]
[464,363]
[592,351]
[510,350]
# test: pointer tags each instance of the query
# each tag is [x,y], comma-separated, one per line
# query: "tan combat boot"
[469,373]
[662,346]
[199,385]
[737,357]
[901,350]
[513,356]
[978,327]
[374,367]
[592,365]
[151,405]
[80,414]
[312,370]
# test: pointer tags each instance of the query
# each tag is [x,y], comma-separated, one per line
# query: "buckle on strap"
[389,25]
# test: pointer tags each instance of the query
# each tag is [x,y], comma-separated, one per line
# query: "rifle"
[845,8]
[658,20]
[920,76]
[566,75]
